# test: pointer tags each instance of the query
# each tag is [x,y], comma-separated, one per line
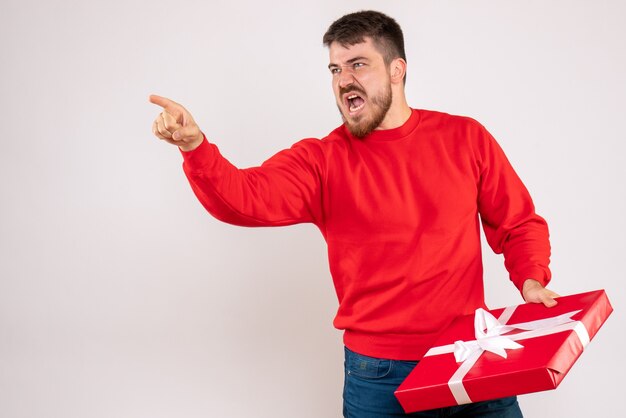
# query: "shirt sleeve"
[284,190]
[508,216]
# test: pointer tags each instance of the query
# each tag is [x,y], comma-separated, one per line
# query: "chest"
[394,188]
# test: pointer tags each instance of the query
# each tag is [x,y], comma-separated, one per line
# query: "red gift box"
[550,341]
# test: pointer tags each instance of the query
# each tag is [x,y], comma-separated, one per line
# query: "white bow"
[489,334]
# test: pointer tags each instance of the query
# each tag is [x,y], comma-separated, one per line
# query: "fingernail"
[176,136]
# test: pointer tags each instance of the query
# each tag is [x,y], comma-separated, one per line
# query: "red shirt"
[400,211]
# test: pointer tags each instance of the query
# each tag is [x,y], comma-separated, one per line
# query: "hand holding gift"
[533,291]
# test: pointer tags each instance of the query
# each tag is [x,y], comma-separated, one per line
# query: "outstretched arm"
[284,190]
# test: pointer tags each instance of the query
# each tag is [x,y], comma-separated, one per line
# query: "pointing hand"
[175,125]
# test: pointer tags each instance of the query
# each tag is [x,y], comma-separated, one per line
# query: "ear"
[397,70]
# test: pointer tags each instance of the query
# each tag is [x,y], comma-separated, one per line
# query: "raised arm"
[284,190]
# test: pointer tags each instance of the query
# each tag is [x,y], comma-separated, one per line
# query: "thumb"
[548,300]
[189,133]
[547,297]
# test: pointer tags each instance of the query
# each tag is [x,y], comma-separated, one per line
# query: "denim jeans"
[370,382]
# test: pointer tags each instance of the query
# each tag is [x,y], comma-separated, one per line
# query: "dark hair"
[352,29]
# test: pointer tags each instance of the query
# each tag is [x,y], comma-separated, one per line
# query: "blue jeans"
[370,382]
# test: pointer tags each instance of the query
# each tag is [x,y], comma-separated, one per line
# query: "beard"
[363,124]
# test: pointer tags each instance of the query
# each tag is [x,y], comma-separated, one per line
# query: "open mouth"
[354,102]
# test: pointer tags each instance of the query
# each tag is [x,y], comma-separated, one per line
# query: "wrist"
[190,146]
[530,284]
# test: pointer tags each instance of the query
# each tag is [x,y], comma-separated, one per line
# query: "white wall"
[120,297]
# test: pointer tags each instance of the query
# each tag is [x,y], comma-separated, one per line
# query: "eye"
[358,65]
[335,70]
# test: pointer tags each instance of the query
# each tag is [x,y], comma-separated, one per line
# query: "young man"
[398,194]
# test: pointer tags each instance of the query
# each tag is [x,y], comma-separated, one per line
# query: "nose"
[346,78]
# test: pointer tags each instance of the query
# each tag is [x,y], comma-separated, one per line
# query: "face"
[362,86]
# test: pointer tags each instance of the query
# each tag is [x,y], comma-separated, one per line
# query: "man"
[397,193]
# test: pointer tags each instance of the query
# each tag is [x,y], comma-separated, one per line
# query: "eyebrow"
[350,61]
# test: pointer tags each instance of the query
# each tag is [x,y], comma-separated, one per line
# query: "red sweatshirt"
[400,212]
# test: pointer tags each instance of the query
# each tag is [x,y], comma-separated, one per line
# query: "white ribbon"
[489,333]
[489,337]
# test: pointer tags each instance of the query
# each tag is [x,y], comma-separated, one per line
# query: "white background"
[121,297]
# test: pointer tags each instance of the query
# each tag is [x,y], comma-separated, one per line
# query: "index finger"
[170,106]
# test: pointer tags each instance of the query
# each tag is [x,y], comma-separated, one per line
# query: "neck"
[398,113]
